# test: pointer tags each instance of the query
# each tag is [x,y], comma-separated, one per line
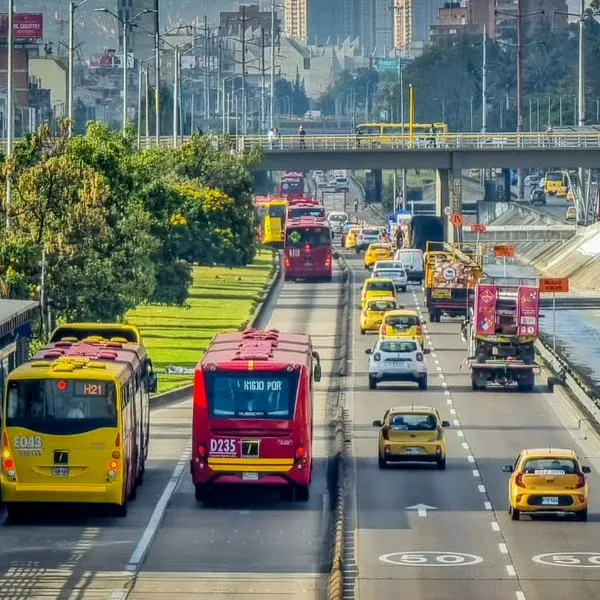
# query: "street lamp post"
[72,8]
[126,24]
[9,106]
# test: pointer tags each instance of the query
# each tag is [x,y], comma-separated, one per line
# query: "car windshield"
[550,466]
[61,406]
[305,211]
[316,237]
[555,176]
[413,422]
[380,247]
[402,322]
[381,306]
[337,217]
[388,264]
[257,395]
[277,212]
[393,346]
[380,286]
[390,274]
[370,233]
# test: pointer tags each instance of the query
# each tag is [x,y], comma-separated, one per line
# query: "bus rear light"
[118,440]
[4,440]
[113,465]
[9,464]
[300,452]
[201,450]
[116,454]
[307,248]
[286,261]
[328,261]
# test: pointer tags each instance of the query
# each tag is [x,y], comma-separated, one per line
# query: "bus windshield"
[316,211]
[61,407]
[235,395]
[554,176]
[277,212]
[316,237]
[292,185]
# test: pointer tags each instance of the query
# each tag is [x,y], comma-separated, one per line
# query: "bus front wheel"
[200,492]
[302,493]
[120,510]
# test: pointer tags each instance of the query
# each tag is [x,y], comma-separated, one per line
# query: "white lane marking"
[471,459]
[503,548]
[475,473]
[446,392]
[436,361]
[449,401]
[444,383]
[439,368]
[487,505]
[460,434]
[433,354]
[456,422]
[495,526]
[520,595]
[159,512]
[452,411]
[511,571]
[481,489]
[465,445]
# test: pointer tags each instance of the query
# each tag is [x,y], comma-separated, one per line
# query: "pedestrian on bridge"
[302,135]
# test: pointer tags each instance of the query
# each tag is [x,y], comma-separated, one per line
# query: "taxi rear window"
[380,286]
[392,346]
[381,306]
[550,466]
[403,321]
[413,422]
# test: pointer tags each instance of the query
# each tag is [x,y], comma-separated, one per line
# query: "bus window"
[316,237]
[61,407]
[369,130]
[277,212]
[252,395]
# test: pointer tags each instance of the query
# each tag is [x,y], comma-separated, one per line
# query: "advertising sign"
[387,64]
[485,309]
[26,26]
[528,311]
[554,284]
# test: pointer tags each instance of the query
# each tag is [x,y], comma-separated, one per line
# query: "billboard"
[26,26]
[528,311]
[485,309]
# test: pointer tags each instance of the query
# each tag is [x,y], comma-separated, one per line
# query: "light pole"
[9,106]
[126,24]
[72,8]
[484,82]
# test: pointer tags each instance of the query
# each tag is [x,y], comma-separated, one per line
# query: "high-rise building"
[402,25]
[232,23]
[139,43]
[482,13]
[296,19]
[413,20]
[384,27]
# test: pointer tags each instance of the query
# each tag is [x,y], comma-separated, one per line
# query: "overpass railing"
[422,142]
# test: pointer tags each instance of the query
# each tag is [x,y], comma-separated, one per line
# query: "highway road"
[481,552]
[242,546]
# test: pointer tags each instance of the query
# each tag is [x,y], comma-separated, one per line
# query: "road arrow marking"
[421,509]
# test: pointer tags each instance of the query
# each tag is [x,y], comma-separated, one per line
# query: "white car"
[397,360]
[391,269]
[342,184]
[336,220]
[317,175]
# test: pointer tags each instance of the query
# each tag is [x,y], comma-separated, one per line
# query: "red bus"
[307,249]
[252,420]
[292,186]
[304,209]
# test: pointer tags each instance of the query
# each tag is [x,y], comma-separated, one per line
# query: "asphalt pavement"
[462,543]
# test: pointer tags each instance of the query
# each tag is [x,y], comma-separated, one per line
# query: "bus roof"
[307,221]
[82,360]
[79,331]
[258,349]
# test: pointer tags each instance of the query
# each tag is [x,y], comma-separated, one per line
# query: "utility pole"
[157,86]
[206,75]
[263,82]
[147,106]
[520,179]
[484,83]
[272,95]
[176,97]
[243,9]
[9,107]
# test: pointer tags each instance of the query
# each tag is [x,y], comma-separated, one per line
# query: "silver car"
[397,360]
[391,269]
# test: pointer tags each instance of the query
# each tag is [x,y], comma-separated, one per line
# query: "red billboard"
[528,311]
[26,26]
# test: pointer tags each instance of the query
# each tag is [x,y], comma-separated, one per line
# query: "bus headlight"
[11,473]
[111,474]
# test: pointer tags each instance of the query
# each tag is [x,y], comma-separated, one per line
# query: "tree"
[295,93]
[350,85]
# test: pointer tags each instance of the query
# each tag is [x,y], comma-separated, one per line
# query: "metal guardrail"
[423,142]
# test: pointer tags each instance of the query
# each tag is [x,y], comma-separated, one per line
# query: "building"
[402,25]
[16,332]
[232,23]
[413,20]
[140,40]
[296,19]
[482,12]
[384,28]
[453,20]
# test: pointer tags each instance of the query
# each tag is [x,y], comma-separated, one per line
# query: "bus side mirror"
[377,424]
[152,383]
[586,470]
[317,373]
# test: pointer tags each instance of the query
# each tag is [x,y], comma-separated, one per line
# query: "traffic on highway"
[464,474]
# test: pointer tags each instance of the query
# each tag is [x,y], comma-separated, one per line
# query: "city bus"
[80,331]
[556,183]
[375,133]
[76,424]
[304,209]
[308,249]
[292,185]
[274,222]
[252,421]
[261,209]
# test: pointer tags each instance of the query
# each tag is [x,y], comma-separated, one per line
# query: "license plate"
[60,471]
[441,294]
[550,500]
[250,476]
[413,451]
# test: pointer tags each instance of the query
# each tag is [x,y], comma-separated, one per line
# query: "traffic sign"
[504,251]
[449,273]
[478,228]
[554,284]
[447,211]
[457,220]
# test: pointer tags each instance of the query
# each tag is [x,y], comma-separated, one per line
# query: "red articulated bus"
[304,209]
[292,185]
[307,249]
[253,412]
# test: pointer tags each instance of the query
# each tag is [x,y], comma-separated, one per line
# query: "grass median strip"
[220,299]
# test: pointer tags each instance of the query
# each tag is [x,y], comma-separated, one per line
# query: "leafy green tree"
[296,93]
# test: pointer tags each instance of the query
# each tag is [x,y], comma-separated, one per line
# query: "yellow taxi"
[350,241]
[547,480]
[402,323]
[377,287]
[571,213]
[378,251]
[372,314]
[411,433]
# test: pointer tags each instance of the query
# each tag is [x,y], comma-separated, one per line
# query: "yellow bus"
[75,424]
[79,331]
[555,183]
[396,129]
[274,222]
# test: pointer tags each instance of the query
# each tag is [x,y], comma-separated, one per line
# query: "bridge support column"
[442,200]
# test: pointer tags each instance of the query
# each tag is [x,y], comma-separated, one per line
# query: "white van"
[413,262]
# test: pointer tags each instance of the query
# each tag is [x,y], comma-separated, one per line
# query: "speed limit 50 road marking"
[428,558]
[579,560]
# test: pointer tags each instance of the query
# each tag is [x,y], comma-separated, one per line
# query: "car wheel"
[441,464]
[403,288]
[372,383]
[200,493]
[582,515]
[381,462]
[302,493]
[362,331]
[120,510]
[423,383]
[514,514]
